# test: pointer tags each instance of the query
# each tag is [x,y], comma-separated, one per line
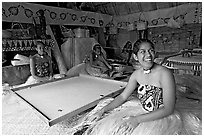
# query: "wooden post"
[57,53]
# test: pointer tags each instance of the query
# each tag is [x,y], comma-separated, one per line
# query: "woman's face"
[146,55]
[98,50]
[40,49]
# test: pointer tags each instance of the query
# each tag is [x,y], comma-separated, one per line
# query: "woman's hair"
[40,43]
[128,42]
[97,46]
[138,43]
[127,47]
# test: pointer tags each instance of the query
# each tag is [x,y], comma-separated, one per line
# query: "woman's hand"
[50,78]
[130,122]
[110,67]
[62,75]
[95,116]
[47,78]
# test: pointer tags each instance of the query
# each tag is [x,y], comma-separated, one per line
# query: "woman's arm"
[132,83]
[93,64]
[32,67]
[50,65]
[105,62]
[169,89]
[91,58]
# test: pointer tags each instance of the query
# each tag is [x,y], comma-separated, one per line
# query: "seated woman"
[94,64]
[40,66]
[97,64]
[151,112]
[127,52]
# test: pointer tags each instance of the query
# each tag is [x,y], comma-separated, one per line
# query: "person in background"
[98,60]
[97,65]
[40,66]
[127,50]
[151,112]
[94,64]
[5,61]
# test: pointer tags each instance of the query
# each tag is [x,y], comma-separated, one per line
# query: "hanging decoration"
[23,45]
[175,39]
[131,27]
[141,24]
[17,31]
[176,22]
[188,13]
[112,28]
[25,12]
[172,23]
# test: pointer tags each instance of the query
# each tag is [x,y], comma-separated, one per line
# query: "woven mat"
[192,59]
[19,119]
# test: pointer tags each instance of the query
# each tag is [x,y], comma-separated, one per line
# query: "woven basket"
[141,25]
[113,30]
[131,27]
[80,33]
[20,32]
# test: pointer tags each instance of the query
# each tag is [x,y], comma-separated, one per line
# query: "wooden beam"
[57,53]
[104,3]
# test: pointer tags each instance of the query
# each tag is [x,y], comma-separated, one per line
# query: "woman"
[97,61]
[40,66]
[94,64]
[127,50]
[153,112]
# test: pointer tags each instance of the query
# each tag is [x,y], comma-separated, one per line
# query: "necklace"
[41,55]
[147,71]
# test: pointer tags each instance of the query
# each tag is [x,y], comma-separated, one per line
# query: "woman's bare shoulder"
[164,72]
[162,69]
[136,74]
[34,56]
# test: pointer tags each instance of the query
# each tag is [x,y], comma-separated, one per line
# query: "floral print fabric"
[42,69]
[150,97]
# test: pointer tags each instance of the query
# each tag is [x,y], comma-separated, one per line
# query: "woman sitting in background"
[151,112]
[40,66]
[97,64]
[127,52]
[94,64]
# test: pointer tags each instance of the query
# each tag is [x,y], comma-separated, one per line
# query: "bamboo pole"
[57,54]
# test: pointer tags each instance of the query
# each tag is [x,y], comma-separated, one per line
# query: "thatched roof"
[114,8]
